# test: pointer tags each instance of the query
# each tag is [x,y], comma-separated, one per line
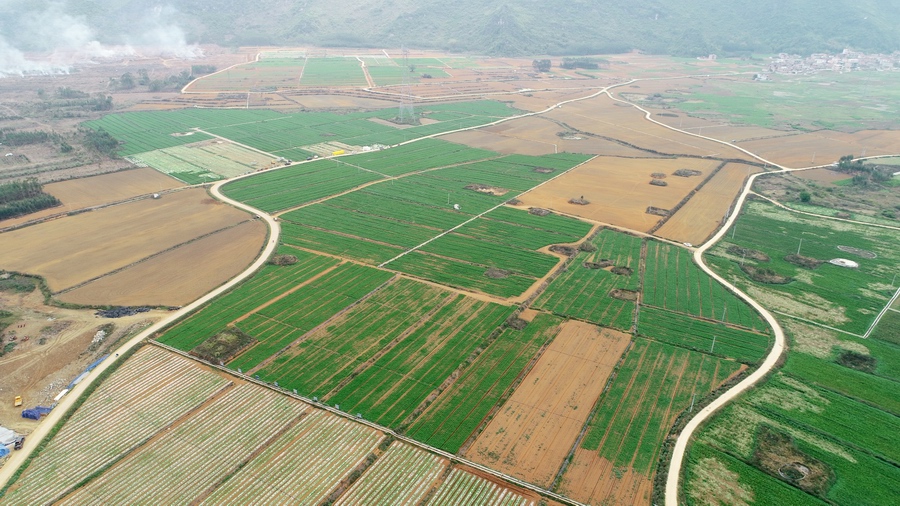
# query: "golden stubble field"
[619,189]
[75,249]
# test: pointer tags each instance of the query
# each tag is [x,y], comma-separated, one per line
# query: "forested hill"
[514,27]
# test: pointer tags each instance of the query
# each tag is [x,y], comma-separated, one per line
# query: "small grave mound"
[843,262]
[778,454]
[753,254]
[794,471]
[516,323]
[622,271]
[587,247]
[687,173]
[597,265]
[544,170]
[667,114]
[843,216]
[495,273]
[802,261]
[537,211]
[283,260]
[658,175]
[764,275]
[657,211]
[858,252]
[513,202]
[658,182]
[483,188]
[858,361]
[623,294]
[579,201]
[563,250]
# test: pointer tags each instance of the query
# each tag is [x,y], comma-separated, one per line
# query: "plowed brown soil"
[618,190]
[707,209]
[627,487]
[176,277]
[536,428]
[74,249]
[824,147]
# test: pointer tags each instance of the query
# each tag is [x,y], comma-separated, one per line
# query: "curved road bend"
[17,458]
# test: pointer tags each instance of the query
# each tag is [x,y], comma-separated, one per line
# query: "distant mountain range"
[498,27]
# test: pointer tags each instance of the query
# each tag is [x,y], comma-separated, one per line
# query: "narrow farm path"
[824,216]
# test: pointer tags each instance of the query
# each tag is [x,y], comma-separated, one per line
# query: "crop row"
[195,454]
[364,225]
[655,383]
[442,218]
[571,229]
[302,465]
[460,274]
[333,72]
[286,319]
[390,389]
[453,416]
[148,393]
[703,336]
[267,284]
[584,292]
[672,281]
[402,476]
[320,362]
[855,384]
[462,488]
[492,254]
[421,155]
[335,244]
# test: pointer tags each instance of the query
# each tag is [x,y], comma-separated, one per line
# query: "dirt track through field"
[535,429]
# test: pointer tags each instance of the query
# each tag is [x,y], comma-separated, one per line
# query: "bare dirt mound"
[658,182]
[544,170]
[802,261]
[496,273]
[623,294]
[657,211]
[564,250]
[687,173]
[537,211]
[858,252]
[223,346]
[283,260]
[579,201]
[763,275]
[778,455]
[487,189]
[622,271]
[752,254]
[602,264]
[513,202]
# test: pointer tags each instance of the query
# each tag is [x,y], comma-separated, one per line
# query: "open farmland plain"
[460,316]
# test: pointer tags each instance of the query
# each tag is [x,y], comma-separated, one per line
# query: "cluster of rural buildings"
[846,61]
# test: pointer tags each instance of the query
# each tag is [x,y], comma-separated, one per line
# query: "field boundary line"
[412,442]
[442,234]
[188,85]
[825,216]
[817,324]
[884,310]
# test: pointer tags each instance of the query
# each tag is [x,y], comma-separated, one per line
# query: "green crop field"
[268,283]
[337,71]
[695,334]
[655,383]
[583,293]
[672,281]
[452,418]
[460,274]
[844,298]
[289,318]
[390,389]
[316,365]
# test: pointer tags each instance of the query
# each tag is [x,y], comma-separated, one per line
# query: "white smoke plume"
[57,40]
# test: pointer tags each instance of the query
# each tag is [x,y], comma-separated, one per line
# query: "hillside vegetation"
[523,27]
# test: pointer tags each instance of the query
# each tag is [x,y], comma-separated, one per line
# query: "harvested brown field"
[74,249]
[539,136]
[624,484]
[824,147]
[180,275]
[706,210]
[605,117]
[618,191]
[822,175]
[97,190]
[535,429]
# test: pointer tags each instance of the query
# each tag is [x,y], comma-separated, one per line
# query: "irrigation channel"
[674,471]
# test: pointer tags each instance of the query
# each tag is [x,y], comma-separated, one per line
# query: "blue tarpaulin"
[86,371]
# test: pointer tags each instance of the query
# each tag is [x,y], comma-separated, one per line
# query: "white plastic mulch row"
[402,476]
[147,393]
[464,489]
[190,458]
[303,465]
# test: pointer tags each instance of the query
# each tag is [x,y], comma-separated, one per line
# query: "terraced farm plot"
[402,476]
[145,395]
[844,298]
[286,319]
[220,437]
[458,411]
[584,291]
[303,465]
[672,281]
[461,487]
[333,72]
[268,284]
[655,383]
[392,387]
[535,429]
[328,356]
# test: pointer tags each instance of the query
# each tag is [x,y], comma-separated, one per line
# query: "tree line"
[18,198]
